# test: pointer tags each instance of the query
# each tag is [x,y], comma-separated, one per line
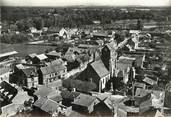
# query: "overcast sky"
[84,2]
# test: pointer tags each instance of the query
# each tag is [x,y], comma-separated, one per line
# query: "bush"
[14,38]
[82,86]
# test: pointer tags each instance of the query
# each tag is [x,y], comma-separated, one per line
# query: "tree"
[38,23]
[82,86]
[139,24]
[22,25]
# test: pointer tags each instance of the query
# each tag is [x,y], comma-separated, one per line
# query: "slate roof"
[20,66]
[43,91]
[41,56]
[29,71]
[46,105]
[112,45]
[149,81]
[39,103]
[56,98]
[21,97]
[54,53]
[123,64]
[56,62]
[84,100]
[8,54]
[52,69]
[32,55]
[100,68]
[138,58]
[49,106]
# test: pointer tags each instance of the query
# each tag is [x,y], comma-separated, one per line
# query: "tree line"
[24,18]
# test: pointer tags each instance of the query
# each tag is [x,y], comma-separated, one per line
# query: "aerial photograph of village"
[60,58]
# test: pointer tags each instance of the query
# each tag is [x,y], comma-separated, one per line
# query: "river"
[24,49]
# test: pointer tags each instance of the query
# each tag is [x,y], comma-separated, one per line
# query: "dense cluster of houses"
[123,71]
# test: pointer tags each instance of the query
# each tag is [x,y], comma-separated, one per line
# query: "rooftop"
[32,55]
[100,68]
[84,100]
[50,106]
[43,91]
[41,56]
[52,69]
[39,103]
[8,54]
[54,53]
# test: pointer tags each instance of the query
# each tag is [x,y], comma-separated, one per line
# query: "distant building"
[63,33]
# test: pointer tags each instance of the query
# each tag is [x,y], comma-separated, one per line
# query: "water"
[24,49]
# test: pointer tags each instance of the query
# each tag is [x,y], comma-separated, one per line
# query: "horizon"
[84,3]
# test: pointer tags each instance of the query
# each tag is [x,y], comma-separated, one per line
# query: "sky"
[85,2]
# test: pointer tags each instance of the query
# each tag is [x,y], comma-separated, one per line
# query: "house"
[10,110]
[139,59]
[157,96]
[36,33]
[30,57]
[65,34]
[73,53]
[50,106]
[38,59]
[123,66]
[6,59]
[144,102]
[53,55]
[7,93]
[97,73]
[21,97]
[56,62]
[4,74]
[51,73]
[25,76]
[31,77]
[84,103]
